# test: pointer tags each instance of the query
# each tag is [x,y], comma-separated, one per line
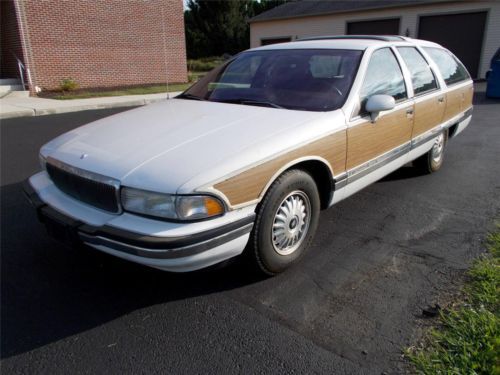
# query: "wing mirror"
[379,103]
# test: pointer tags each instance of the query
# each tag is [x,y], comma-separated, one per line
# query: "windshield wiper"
[263,103]
[189,96]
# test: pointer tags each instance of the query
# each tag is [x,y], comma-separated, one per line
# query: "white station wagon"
[244,160]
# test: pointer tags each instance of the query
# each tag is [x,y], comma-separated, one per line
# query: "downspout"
[20,16]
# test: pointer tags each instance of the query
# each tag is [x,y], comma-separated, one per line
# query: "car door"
[374,145]
[429,100]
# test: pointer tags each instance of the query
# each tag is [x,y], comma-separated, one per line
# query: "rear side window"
[451,69]
[383,76]
[422,78]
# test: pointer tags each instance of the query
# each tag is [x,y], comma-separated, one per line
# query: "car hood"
[166,145]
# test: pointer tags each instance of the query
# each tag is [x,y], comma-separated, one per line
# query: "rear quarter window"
[452,70]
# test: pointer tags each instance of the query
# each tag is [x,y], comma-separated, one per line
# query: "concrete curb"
[25,107]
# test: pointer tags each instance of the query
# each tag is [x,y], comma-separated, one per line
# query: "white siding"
[336,24]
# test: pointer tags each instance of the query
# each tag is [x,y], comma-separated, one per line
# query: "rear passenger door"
[429,100]
[370,145]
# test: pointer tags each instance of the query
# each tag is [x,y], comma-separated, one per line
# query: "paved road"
[349,307]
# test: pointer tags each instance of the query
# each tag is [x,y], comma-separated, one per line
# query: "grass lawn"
[126,91]
[467,340]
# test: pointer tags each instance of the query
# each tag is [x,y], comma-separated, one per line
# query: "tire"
[432,160]
[286,222]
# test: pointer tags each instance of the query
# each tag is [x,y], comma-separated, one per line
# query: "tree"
[215,27]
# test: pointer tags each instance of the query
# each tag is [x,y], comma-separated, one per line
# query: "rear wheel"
[286,222]
[433,160]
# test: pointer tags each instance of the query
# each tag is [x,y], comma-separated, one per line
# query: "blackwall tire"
[432,161]
[286,222]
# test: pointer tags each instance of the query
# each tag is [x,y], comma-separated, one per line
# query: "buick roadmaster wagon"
[244,160]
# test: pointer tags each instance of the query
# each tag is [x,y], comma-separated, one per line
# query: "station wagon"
[243,161]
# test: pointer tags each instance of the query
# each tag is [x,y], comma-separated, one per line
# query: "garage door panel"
[461,33]
[375,27]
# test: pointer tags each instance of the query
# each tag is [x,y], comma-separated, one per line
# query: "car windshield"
[309,79]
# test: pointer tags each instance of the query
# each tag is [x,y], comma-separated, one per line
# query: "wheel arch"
[319,169]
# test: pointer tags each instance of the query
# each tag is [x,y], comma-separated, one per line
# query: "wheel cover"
[438,148]
[291,223]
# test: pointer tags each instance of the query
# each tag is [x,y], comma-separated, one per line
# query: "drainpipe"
[20,16]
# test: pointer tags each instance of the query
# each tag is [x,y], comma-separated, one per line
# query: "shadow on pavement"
[480,98]
[68,291]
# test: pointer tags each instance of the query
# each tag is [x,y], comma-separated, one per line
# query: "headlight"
[177,207]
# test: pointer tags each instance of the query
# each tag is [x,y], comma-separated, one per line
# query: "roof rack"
[385,38]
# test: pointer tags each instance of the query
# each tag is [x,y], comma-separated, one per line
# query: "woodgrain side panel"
[458,100]
[453,101]
[367,141]
[428,114]
[249,185]
[468,97]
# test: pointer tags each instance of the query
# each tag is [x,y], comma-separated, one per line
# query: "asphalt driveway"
[350,307]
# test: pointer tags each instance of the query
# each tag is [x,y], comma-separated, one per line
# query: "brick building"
[101,43]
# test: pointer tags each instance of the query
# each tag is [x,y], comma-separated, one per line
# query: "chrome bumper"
[74,232]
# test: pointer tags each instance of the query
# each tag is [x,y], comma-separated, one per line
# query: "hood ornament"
[83,156]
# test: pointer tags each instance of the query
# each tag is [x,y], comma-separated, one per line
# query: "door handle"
[441,99]
[409,111]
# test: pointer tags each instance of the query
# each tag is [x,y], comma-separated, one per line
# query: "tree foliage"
[216,27]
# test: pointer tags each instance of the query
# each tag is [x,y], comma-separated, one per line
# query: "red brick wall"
[10,40]
[104,43]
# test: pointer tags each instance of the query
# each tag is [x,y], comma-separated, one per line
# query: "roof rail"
[385,38]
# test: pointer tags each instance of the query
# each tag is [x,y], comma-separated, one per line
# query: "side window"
[421,74]
[383,76]
[451,69]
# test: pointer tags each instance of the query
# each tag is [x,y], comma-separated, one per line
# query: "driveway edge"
[40,107]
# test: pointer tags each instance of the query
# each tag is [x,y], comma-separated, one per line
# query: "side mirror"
[379,103]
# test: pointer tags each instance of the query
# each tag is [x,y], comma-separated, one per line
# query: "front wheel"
[286,222]
[432,161]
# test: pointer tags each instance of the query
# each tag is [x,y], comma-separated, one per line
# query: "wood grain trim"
[249,185]
[457,100]
[367,140]
[468,97]
[428,114]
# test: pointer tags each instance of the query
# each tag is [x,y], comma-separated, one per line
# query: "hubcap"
[291,223]
[437,149]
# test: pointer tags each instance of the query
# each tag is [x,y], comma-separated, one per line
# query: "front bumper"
[178,253]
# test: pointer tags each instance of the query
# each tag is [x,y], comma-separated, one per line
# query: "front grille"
[94,193]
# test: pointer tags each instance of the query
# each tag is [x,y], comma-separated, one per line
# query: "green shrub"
[68,84]
[204,64]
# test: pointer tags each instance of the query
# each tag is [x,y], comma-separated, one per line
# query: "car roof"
[356,42]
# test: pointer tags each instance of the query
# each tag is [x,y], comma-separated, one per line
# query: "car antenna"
[165,55]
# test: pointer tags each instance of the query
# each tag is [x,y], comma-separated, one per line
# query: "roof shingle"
[304,8]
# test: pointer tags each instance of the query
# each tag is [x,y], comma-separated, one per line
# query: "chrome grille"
[80,186]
